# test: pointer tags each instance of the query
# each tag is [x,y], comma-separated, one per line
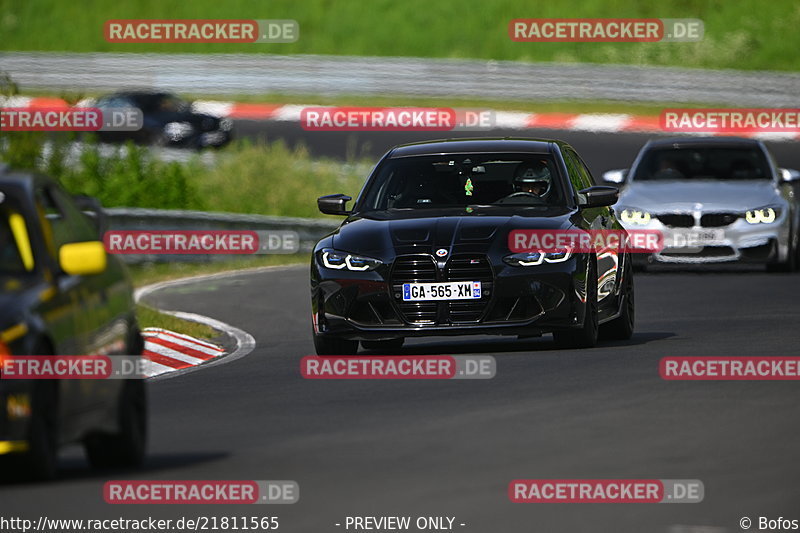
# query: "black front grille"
[414,269]
[469,268]
[423,269]
[718,220]
[676,221]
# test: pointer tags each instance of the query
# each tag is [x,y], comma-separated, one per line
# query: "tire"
[127,447]
[135,342]
[40,462]
[384,347]
[792,262]
[586,335]
[621,328]
[334,346]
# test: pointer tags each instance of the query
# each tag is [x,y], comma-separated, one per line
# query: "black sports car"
[168,121]
[424,250]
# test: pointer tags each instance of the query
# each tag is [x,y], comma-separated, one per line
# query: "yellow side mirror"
[82,258]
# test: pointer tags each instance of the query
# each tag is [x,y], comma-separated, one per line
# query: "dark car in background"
[435,215]
[715,199]
[61,294]
[167,121]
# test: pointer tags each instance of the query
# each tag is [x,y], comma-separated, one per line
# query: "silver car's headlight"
[346,261]
[178,130]
[525,259]
[764,215]
[635,216]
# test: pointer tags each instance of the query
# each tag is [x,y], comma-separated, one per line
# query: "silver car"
[716,199]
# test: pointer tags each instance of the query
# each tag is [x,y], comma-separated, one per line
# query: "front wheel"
[792,261]
[127,447]
[586,335]
[621,328]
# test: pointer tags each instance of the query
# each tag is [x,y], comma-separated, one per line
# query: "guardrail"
[309,230]
[331,75]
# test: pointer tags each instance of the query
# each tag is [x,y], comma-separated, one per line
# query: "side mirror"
[333,204]
[83,258]
[93,209]
[598,196]
[788,175]
[617,176]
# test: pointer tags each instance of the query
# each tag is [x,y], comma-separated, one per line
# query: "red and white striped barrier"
[593,122]
[167,351]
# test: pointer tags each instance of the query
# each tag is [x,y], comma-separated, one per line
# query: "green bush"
[262,178]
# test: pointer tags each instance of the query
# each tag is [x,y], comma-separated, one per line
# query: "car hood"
[666,196]
[385,233]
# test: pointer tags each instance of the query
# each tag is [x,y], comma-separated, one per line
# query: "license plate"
[695,238]
[451,290]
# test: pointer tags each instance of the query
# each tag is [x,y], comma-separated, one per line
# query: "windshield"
[460,180]
[703,163]
[11,260]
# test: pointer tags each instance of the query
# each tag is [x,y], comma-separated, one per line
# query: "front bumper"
[736,242]
[514,301]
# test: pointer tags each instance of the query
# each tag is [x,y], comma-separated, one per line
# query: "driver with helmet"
[532,178]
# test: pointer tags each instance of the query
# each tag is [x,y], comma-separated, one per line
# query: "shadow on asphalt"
[511,345]
[74,468]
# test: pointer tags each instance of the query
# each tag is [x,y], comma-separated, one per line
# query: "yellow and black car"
[61,294]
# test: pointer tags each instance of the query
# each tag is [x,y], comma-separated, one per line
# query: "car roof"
[144,93]
[497,144]
[22,179]
[680,142]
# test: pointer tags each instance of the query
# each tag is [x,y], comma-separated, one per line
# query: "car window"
[114,102]
[16,257]
[462,180]
[703,163]
[63,221]
[573,168]
[583,168]
[578,174]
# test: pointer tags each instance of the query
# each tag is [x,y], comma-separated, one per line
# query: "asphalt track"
[450,448]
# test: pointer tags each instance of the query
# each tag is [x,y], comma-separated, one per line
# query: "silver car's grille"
[718,220]
[676,220]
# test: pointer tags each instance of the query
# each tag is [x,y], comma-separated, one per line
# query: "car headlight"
[525,259]
[342,260]
[765,215]
[225,124]
[635,216]
[178,130]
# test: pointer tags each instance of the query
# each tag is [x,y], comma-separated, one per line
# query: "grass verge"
[745,34]
[149,317]
[148,273]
